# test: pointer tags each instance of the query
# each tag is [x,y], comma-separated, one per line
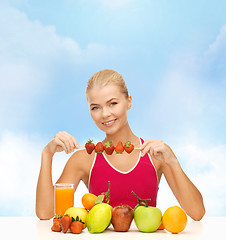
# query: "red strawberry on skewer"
[119,147]
[128,147]
[90,146]
[109,147]
[99,148]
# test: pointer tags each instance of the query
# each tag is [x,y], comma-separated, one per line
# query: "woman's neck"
[123,135]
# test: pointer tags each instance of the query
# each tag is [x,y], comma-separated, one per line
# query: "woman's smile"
[109,123]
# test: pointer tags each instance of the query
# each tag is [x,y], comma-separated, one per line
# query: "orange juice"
[63,197]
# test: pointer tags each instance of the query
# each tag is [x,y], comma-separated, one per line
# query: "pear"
[99,218]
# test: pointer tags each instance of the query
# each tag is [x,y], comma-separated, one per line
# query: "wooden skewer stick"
[136,148]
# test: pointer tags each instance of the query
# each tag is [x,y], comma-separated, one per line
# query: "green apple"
[147,219]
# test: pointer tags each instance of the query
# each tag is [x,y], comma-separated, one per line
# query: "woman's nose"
[106,112]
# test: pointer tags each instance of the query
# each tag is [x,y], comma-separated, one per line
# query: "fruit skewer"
[108,147]
[135,148]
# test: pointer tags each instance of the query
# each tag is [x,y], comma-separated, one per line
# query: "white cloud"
[206,169]
[191,92]
[179,99]
[20,163]
[219,43]
[215,57]
[30,39]
[30,55]
[207,166]
[181,93]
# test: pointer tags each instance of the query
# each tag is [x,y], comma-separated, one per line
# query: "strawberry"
[77,225]
[109,147]
[99,148]
[119,147]
[56,225]
[128,147]
[90,146]
[65,223]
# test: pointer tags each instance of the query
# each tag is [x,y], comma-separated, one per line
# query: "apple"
[122,217]
[147,219]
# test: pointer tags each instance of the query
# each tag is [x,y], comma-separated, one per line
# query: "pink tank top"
[142,179]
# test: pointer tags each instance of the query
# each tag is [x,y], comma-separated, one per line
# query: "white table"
[33,228]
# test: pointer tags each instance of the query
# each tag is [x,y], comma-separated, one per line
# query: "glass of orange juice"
[63,197]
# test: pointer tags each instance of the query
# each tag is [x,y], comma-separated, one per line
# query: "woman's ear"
[129,102]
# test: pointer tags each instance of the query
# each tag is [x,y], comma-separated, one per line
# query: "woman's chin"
[110,130]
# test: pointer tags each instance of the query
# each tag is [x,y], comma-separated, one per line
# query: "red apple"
[122,217]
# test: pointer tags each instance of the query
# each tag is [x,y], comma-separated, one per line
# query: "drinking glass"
[63,197]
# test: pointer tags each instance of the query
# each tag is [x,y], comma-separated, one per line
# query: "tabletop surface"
[33,228]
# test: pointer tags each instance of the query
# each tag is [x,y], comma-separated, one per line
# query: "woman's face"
[108,108]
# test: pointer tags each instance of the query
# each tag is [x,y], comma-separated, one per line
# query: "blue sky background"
[172,55]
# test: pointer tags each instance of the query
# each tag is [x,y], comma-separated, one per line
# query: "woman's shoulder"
[81,158]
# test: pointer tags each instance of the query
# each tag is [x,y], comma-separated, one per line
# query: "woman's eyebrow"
[112,99]
[94,104]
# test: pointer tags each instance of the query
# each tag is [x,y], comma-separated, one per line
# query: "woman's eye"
[113,103]
[94,108]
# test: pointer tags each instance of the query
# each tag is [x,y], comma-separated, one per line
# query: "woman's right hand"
[62,141]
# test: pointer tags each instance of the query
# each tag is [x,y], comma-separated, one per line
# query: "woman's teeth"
[109,123]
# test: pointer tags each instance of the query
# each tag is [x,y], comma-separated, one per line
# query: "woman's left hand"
[158,150]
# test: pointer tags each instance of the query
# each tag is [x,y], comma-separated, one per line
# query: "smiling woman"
[140,171]
[108,108]
[108,89]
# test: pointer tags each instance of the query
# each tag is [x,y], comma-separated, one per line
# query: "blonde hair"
[107,77]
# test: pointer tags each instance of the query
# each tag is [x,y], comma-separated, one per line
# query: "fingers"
[153,147]
[66,141]
[147,148]
[61,144]
[75,143]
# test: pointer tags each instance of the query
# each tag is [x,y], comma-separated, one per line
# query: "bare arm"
[184,190]
[45,190]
